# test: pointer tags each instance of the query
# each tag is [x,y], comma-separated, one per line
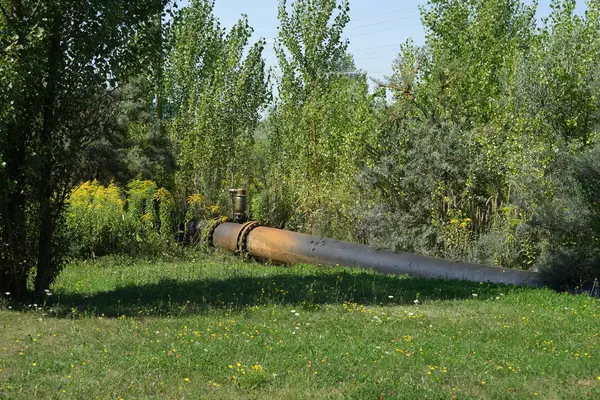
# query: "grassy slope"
[219,328]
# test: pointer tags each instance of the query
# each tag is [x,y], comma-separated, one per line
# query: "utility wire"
[377,58]
[383,22]
[377,47]
[368,17]
[385,13]
[370,53]
[385,30]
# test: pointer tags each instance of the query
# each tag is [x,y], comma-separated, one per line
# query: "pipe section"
[292,248]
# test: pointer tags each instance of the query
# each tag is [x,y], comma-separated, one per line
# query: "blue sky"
[375,32]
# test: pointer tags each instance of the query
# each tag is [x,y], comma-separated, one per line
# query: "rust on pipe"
[226,236]
[293,248]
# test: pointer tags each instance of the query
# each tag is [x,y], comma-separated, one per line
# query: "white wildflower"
[390,297]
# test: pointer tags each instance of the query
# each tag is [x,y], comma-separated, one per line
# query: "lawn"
[216,327]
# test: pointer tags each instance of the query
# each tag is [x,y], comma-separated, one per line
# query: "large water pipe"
[288,247]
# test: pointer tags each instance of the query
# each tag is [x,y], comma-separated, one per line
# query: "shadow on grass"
[179,298]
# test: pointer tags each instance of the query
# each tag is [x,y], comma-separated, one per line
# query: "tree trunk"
[45,264]
[14,266]
[159,65]
[46,186]
[14,260]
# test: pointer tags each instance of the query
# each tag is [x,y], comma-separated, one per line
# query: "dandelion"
[186,379]
[483,382]
[257,367]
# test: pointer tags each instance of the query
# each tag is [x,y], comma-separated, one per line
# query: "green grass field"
[220,328]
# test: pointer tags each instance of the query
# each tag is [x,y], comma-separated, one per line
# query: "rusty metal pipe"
[226,236]
[292,248]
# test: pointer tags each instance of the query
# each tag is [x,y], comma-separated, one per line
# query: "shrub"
[103,220]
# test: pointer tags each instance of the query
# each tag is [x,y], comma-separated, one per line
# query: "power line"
[370,17]
[382,22]
[372,52]
[385,13]
[377,58]
[378,47]
[385,30]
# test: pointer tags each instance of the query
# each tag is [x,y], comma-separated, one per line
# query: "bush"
[103,220]
[567,218]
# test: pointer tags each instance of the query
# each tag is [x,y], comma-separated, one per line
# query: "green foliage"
[567,218]
[137,145]
[486,150]
[216,93]
[104,220]
[322,124]
[489,121]
[61,62]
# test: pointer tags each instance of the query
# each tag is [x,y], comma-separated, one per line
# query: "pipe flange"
[243,236]
[213,226]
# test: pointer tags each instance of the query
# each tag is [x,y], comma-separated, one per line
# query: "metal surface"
[226,236]
[232,236]
[240,204]
[292,247]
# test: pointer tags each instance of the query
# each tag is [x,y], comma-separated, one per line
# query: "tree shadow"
[169,297]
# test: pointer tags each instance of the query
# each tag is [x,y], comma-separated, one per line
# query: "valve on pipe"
[292,248]
[240,205]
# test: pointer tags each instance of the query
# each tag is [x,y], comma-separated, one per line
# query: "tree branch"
[4,12]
